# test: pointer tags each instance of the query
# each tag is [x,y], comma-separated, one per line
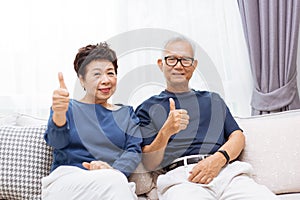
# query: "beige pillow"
[273,149]
[143,179]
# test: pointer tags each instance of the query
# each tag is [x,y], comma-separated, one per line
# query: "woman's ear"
[81,79]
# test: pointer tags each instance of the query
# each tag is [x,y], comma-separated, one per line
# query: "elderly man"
[192,136]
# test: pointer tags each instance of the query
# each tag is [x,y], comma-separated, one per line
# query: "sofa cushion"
[28,120]
[8,119]
[25,159]
[292,196]
[273,149]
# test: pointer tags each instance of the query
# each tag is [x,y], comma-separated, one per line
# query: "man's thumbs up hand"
[177,120]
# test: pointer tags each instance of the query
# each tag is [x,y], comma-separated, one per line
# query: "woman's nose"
[104,79]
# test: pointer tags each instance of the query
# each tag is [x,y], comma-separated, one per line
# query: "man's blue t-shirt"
[93,132]
[209,126]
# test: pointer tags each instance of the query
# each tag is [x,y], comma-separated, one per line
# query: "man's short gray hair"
[177,39]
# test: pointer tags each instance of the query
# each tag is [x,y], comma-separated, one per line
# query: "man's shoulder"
[163,96]
[209,96]
[156,98]
[204,93]
[152,100]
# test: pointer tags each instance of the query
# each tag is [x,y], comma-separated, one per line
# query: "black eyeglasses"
[184,61]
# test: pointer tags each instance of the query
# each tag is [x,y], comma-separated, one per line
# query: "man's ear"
[160,64]
[195,64]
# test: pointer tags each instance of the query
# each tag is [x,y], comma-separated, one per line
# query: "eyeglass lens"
[184,61]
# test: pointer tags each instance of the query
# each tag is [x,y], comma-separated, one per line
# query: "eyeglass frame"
[179,60]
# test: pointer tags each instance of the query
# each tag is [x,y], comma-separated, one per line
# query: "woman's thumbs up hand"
[60,102]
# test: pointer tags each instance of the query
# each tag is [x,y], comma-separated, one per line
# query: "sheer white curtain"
[40,38]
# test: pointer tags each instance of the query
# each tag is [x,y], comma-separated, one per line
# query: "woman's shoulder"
[119,106]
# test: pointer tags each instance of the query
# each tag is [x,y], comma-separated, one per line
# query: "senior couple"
[187,134]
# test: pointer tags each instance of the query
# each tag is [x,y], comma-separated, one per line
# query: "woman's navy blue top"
[93,132]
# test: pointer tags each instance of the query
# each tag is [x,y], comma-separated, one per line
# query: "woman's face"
[99,82]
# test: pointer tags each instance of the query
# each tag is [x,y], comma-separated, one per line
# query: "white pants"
[233,183]
[68,182]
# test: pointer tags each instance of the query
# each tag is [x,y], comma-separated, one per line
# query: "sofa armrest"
[273,149]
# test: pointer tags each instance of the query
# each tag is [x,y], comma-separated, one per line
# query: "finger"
[199,178]
[183,112]
[194,178]
[205,180]
[61,95]
[182,127]
[172,104]
[61,81]
[209,180]
[183,123]
[86,165]
[195,173]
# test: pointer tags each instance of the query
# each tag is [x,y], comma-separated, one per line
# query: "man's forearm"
[153,154]
[235,144]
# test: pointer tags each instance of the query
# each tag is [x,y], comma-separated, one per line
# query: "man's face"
[178,75]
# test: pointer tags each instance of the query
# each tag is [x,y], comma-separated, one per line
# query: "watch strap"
[225,154]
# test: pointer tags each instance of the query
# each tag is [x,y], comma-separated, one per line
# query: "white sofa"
[272,147]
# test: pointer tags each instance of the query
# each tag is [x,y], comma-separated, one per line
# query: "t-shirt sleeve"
[148,129]
[230,125]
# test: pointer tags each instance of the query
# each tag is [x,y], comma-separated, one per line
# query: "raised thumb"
[61,81]
[172,104]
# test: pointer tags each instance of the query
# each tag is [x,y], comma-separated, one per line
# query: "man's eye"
[97,74]
[172,59]
[111,73]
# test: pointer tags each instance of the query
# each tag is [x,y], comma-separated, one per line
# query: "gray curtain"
[271,29]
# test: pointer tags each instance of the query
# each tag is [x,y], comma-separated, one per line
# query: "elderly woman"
[96,144]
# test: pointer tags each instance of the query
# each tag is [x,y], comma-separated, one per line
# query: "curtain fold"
[271,29]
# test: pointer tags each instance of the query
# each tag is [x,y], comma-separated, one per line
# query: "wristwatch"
[225,154]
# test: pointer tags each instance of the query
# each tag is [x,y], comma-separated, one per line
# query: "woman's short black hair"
[94,52]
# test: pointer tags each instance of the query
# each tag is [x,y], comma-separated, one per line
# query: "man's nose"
[178,64]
